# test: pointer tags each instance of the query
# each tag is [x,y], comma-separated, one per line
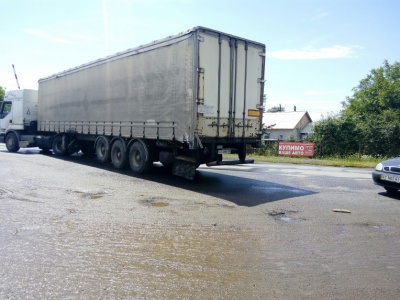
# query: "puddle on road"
[92,196]
[228,206]
[159,204]
[140,261]
[283,216]
[157,201]
[278,189]
[286,219]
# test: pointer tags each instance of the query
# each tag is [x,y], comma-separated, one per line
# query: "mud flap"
[184,169]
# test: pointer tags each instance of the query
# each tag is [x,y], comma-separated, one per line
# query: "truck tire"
[119,157]
[57,146]
[12,142]
[242,153]
[139,158]
[103,151]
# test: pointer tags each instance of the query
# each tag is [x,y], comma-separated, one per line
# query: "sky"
[317,51]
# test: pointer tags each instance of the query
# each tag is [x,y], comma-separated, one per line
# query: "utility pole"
[16,78]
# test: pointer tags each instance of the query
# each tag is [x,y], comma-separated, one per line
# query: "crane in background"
[16,78]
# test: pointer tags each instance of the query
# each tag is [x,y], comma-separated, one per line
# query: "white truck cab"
[18,118]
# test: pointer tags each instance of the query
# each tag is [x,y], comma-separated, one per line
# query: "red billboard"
[295,149]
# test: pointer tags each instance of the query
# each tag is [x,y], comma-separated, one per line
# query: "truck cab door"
[5,116]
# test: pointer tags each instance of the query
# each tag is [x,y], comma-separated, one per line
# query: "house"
[286,125]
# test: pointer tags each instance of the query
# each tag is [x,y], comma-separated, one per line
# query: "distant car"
[387,174]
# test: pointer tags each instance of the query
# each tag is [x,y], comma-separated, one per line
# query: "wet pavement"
[77,229]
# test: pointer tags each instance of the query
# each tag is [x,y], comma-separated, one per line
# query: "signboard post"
[295,149]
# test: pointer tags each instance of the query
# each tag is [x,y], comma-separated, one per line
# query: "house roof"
[284,120]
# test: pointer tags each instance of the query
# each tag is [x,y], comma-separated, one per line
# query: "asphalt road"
[74,228]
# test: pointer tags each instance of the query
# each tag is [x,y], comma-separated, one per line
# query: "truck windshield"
[5,109]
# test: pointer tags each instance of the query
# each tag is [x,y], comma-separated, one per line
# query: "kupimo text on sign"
[295,149]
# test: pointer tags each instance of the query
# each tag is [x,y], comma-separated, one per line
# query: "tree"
[370,120]
[2,93]
[334,136]
[291,138]
[375,109]
[276,109]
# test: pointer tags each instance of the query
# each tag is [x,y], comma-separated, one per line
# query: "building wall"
[276,133]
[282,134]
[303,123]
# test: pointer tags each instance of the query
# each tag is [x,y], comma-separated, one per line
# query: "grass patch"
[352,161]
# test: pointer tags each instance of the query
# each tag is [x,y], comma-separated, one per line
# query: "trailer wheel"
[12,143]
[119,157]
[242,154]
[103,149]
[139,158]
[57,146]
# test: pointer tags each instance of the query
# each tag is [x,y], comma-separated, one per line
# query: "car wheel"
[391,190]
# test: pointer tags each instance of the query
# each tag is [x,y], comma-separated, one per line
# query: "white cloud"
[310,53]
[46,36]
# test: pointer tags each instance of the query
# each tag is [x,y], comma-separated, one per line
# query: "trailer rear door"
[230,86]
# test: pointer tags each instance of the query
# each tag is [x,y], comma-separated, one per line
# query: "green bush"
[268,149]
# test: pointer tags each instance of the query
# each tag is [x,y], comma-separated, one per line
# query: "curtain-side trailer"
[184,100]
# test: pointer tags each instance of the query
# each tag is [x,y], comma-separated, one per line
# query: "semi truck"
[184,100]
